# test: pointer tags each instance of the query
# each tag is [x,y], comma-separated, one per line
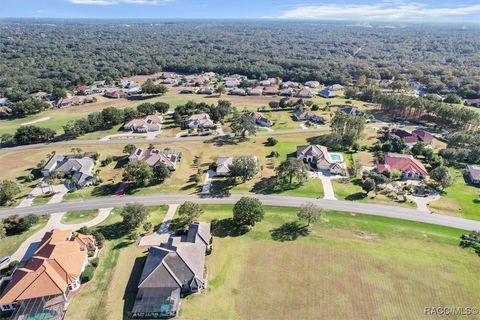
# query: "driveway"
[326,177]
[162,233]
[208,181]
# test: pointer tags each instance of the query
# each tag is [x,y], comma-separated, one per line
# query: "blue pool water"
[335,157]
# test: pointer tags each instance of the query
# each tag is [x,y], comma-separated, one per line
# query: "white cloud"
[112,2]
[386,10]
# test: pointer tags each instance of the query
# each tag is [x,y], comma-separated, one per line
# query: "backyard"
[255,275]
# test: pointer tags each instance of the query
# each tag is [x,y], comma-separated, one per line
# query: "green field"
[10,244]
[459,199]
[74,217]
[279,271]
[93,301]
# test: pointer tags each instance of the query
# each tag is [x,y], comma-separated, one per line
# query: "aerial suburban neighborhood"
[217,169]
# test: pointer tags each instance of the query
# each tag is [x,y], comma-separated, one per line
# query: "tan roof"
[57,262]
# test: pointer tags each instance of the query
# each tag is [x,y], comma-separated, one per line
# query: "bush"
[88,274]
[105,162]
[95,262]
[99,237]
[274,154]
[271,141]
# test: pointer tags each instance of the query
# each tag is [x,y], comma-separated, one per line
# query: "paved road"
[272,200]
[155,140]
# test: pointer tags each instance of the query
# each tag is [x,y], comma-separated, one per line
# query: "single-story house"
[287,92]
[205,90]
[352,111]
[290,84]
[409,167]
[80,169]
[238,92]
[153,157]
[128,84]
[312,84]
[173,270]
[336,87]
[73,101]
[473,102]
[473,172]
[307,115]
[116,94]
[199,121]
[150,123]
[168,81]
[45,282]
[254,91]
[305,93]
[415,136]
[189,90]
[327,93]
[83,90]
[319,158]
[270,91]
[42,96]
[233,83]
[261,120]
[223,166]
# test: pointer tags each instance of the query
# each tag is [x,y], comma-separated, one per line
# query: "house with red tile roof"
[49,276]
[409,167]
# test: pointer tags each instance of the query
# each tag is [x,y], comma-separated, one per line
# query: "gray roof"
[53,161]
[474,171]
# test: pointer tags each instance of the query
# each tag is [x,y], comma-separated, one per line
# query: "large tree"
[244,167]
[291,169]
[129,148]
[310,213]
[33,134]
[8,191]
[441,176]
[134,215]
[189,211]
[243,124]
[138,173]
[248,211]
[161,171]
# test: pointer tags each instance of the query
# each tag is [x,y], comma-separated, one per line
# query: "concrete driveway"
[326,177]
[208,181]
[162,233]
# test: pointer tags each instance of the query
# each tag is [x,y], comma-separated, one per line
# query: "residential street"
[272,200]
[155,140]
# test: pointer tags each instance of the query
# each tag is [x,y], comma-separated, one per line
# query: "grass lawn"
[458,199]
[74,217]
[352,191]
[42,199]
[11,243]
[280,270]
[101,298]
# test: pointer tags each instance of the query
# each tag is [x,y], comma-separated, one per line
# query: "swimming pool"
[336,157]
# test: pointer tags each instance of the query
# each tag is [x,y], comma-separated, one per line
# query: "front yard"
[279,271]
[11,243]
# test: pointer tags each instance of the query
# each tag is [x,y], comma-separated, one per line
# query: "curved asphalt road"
[156,140]
[271,200]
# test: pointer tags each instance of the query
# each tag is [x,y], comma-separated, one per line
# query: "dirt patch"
[366,236]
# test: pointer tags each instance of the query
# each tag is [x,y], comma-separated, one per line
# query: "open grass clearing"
[42,199]
[459,199]
[10,243]
[74,217]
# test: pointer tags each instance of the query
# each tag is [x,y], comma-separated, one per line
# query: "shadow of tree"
[270,186]
[104,189]
[131,290]
[289,231]
[222,186]
[356,196]
[227,228]
[112,231]
[223,141]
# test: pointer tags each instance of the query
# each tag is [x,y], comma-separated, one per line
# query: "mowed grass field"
[74,217]
[459,199]
[347,267]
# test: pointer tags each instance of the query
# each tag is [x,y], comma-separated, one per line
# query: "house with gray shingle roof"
[78,168]
[173,270]
[473,172]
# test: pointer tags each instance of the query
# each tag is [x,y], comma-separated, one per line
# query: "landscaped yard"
[352,191]
[10,244]
[74,217]
[42,199]
[459,199]
[101,298]
[264,275]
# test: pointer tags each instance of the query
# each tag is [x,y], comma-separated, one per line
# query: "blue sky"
[363,10]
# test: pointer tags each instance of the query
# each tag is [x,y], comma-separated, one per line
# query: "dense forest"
[52,54]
